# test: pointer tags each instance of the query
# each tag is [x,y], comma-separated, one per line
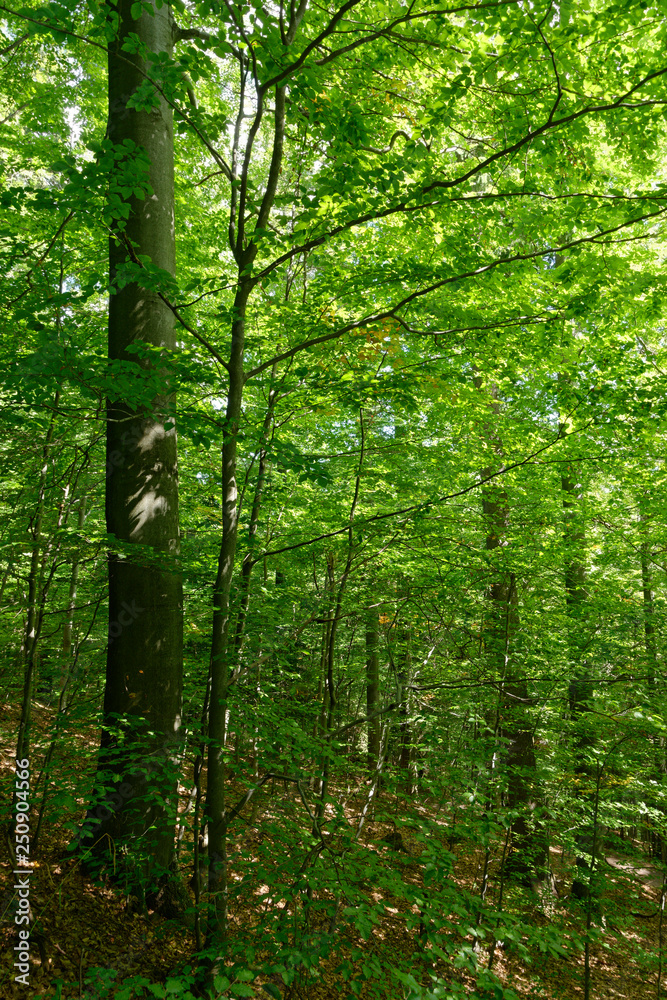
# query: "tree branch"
[420,293]
[186,326]
[363,718]
[426,504]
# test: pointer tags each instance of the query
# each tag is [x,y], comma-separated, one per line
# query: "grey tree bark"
[528,855]
[581,688]
[143,686]
[373,687]
[71,597]
[649,605]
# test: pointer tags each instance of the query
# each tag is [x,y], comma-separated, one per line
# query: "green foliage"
[456,301]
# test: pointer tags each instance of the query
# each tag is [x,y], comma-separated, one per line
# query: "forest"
[333,426]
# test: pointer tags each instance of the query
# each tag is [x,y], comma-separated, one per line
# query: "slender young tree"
[648,602]
[31,634]
[528,853]
[373,686]
[581,688]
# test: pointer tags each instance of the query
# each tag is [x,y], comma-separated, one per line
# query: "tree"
[366,203]
[307,53]
[143,689]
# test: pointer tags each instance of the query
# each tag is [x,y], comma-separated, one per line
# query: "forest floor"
[85,926]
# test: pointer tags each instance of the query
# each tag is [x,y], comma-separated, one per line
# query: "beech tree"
[402,287]
[143,689]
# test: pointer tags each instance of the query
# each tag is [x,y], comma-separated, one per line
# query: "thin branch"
[187,34]
[555,67]
[237,243]
[363,718]
[381,152]
[15,112]
[498,324]
[208,177]
[420,293]
[289,70]
[546,127]
[406,18]
[276,160]
[296,16]
[436,203]
[186,326]
[234,193]
[479,168]
[175,107]
[415,508]
[13,45]
[52,27]
[49,247]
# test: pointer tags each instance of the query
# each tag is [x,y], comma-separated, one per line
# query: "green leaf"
[272,990]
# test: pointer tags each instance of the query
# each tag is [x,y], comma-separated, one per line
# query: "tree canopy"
[332,385]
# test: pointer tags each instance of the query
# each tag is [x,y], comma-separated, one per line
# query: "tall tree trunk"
[656,839]
[528,855]
[143,689]
[29,646]
[71,597]
[400,639]
[331,695]
[249,561]
[220,645]
[649,609]
[403,665]
[323,680]
[327,619]
[11,561]
[373,687]
[244,250]
[580,690]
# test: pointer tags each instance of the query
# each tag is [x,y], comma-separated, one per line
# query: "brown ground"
[86,926]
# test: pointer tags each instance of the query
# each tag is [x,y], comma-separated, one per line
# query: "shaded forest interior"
[332,530]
